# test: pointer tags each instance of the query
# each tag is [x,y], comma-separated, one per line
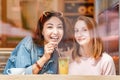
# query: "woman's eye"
[85,30]
[49,27]
[60,27]
[76,30]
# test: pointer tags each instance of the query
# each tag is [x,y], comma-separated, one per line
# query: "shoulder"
[27,38]
[106,57]
[27,42]
[107,64]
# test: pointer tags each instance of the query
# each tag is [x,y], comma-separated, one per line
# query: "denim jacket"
[27,53]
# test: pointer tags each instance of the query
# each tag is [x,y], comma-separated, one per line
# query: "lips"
[79,39]
[54,39]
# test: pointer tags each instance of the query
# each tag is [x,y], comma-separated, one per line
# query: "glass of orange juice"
[63,65]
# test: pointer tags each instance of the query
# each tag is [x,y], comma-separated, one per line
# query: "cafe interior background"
[18,19]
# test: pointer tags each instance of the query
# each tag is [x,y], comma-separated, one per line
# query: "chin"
[82,43]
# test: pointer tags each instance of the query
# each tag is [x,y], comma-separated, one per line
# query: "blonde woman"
[88,55]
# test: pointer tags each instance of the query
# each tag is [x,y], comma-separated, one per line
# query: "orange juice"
[63,65]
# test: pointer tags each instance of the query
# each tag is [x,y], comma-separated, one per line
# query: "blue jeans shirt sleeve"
[26,54]
[21,56]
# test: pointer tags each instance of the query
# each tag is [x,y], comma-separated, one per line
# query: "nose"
[55,31]
[80,33]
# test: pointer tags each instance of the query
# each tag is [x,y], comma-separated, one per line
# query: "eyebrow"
[52,24]
[49,24]
[81,28]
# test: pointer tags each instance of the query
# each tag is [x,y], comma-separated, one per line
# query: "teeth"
[54,38]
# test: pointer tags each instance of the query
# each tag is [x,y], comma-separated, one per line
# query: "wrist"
[42,61]
[45,58]
[38,66]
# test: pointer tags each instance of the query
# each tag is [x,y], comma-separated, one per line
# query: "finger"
[54,44]
[51,49]
[51,46]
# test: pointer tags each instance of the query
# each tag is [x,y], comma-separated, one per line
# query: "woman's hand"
[48,49]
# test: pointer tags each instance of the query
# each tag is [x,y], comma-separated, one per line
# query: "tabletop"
[57,77]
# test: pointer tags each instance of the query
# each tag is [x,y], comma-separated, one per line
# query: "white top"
[88,66]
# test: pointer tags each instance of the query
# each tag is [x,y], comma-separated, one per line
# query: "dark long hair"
[39,38]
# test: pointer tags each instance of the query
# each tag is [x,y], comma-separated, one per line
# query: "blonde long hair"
[97,45]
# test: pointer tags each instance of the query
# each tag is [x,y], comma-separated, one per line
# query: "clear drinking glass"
[63,65]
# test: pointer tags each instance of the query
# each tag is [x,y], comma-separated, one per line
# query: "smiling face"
[53,30]
[82,34]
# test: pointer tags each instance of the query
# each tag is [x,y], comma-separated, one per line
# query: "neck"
[85,51]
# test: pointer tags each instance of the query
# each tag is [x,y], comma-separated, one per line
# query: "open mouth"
[54,39]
